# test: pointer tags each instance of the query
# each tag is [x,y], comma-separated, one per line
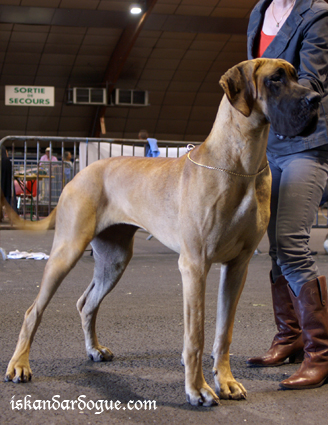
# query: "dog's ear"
[240,86]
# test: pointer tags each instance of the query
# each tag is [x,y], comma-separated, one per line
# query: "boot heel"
[297,358]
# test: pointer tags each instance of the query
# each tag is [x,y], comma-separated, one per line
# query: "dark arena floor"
[141,321]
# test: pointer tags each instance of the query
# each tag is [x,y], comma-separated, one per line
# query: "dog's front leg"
[233,276]
[198,392]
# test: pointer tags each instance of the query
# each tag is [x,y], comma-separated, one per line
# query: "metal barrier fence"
[321,220]
[37,184]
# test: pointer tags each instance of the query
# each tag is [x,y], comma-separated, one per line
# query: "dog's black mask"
[292,111]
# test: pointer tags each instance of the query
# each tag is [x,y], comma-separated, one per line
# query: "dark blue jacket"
[302,41]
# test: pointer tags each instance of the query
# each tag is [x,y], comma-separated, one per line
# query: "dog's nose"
[313,99]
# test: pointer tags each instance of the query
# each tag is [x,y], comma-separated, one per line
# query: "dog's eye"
[276,79]
[279,76]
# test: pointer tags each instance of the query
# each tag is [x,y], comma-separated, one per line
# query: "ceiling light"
[135,9]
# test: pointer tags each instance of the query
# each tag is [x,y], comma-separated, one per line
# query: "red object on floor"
[29,185]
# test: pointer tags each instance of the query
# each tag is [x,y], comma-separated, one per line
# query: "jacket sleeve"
[313,68]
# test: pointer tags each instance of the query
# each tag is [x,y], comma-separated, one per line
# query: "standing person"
[151,148]
[5,174]
[297,31]
[67,156]
[6,171]
[68,166]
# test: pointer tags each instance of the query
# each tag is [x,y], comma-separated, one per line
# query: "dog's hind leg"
[66,251]
[112,252]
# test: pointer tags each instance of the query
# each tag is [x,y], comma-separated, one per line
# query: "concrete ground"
[141,322]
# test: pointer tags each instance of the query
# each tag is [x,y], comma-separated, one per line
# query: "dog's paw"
[18,372]
[205,396]
[100,354]
[231,390]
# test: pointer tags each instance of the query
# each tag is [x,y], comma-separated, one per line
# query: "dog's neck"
[235,141]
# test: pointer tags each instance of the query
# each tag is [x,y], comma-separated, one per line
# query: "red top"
[265,40]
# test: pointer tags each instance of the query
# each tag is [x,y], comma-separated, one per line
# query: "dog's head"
[270,86]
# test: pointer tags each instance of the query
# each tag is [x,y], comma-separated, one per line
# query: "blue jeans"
[298,183]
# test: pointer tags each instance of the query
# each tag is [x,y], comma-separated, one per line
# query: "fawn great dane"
[210,205]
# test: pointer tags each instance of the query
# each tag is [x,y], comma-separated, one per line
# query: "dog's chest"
[240,221]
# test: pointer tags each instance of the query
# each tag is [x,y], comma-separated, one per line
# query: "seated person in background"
[46,156]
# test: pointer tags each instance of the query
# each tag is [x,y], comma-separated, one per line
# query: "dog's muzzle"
[309,107]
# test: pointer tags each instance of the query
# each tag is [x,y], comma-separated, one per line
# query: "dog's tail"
[45,224]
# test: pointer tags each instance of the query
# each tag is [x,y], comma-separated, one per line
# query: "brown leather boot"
[312,312]
[288,342]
